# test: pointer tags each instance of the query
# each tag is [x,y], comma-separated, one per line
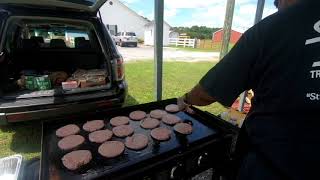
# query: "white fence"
[182,42]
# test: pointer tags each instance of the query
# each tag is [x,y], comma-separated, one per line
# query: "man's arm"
[198,96]
[231,76]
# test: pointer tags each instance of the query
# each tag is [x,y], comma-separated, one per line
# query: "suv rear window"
[58,37]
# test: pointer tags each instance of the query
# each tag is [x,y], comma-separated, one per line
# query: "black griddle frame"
[221,129]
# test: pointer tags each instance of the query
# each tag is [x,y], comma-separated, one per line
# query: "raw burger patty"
[100,136]
[172,108]
[136,142]
[122,131]
[68,130]
[94,125]
[119,120]
[161,134]
[183,128]
[149,123]
[157,113]
[170,119]
[70,142]
[76,159]
[137,115]
[111,149]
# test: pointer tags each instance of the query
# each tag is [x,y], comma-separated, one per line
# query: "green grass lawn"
[179,77]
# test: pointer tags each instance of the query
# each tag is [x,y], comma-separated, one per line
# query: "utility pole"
[227,28]
[158,47]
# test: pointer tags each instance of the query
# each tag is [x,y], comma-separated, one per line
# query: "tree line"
[199,32]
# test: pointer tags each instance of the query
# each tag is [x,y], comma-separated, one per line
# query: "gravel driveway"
[169,54]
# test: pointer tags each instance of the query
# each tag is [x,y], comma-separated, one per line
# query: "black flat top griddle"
[52,167]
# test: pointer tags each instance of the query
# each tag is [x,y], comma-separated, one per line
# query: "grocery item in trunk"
[81,73]
[90,78]
[42,82]
[93,81]
[69,85]
[21,82]
[58,77]
[30,82]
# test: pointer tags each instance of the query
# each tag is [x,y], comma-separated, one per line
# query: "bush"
[140,41]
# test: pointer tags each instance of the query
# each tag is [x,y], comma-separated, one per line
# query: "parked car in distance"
[56,59]
[126,39]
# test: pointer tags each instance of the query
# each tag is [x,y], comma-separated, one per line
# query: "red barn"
[218,36]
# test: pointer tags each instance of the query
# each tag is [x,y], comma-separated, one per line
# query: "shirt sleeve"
[231,76]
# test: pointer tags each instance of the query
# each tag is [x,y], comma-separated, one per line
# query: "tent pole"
[158,47]
[258,17]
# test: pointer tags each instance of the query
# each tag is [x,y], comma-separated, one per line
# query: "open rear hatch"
[50,63]
[91,6]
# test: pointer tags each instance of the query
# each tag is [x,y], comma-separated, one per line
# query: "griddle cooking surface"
[52,166]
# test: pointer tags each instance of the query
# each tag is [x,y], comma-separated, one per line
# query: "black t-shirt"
[279,58]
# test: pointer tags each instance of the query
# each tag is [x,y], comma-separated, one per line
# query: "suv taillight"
[119,69]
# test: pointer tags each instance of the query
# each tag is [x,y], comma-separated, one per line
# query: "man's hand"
[183,106]
[197,96]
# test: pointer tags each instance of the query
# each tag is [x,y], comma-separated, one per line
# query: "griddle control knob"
[203,159]
[176,172]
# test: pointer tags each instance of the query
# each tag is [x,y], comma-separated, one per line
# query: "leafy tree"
[199,32]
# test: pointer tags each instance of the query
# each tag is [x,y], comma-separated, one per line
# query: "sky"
[208,13]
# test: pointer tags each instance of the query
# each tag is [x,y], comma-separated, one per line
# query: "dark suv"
[56,59]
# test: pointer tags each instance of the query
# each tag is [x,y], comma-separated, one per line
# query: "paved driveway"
[169,54]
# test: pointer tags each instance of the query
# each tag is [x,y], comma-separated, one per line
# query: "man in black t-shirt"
[279,59]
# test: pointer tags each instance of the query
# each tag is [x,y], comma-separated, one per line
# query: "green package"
[30,83]
[43,82]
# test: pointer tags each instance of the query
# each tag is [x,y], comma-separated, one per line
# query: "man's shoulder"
[281,20]
[291,14]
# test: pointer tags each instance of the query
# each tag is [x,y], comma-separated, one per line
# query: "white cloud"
[212,16]
[209,13]
[184,4]
[244,17]
[247,9]
[168,13]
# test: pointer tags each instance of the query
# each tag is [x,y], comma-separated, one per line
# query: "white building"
[116,13]
[120,18]
[149,33]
